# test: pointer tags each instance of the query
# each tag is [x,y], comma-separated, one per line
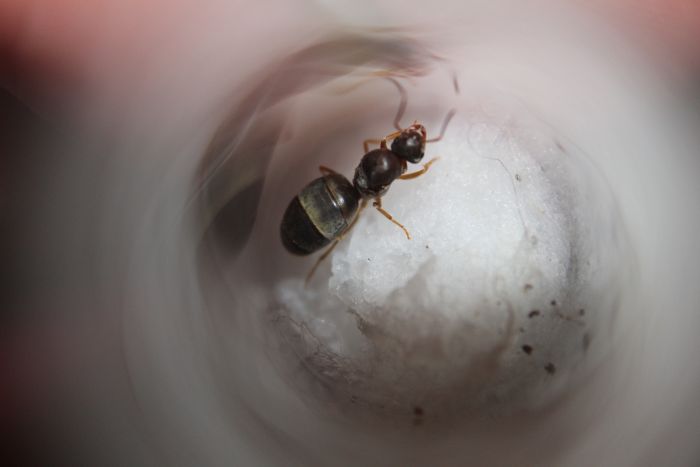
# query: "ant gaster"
[328,207]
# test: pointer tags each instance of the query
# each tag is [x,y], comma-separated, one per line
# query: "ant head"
[410,144]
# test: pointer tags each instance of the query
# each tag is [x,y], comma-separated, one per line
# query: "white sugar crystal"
[472,220]
[494,236]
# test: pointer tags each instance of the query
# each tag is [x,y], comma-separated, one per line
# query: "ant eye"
[410,146]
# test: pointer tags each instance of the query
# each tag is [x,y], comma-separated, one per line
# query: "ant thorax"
[377,171]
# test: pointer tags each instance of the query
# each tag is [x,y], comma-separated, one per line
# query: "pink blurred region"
[52,45]
[56,47]
[78,47]
[81,48]
[667,28]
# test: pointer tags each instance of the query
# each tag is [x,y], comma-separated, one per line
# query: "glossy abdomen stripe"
[321,207]
[318,214]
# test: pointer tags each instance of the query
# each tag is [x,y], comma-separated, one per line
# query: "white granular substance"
[490,297]
[468,225]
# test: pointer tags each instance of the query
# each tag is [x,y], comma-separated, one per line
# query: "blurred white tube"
[203,357]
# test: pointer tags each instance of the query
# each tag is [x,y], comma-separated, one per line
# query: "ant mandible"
[327,208]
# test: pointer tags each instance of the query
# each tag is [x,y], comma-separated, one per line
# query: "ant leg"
[420,172]
[378,205]
[367,142]
[325,170]
[380,142]
[333,245]
[448,117]
[319,260]
[393,135]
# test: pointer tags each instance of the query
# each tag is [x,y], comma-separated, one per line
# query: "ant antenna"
[450,114]
[455,82]
[446,122]
[402,105]
[404,101]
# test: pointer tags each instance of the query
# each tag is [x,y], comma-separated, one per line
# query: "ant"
[328,207]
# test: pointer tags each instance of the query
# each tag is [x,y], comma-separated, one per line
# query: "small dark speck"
[369,259]
[559,146]
[417,415]
[586,341]
[533,313]
[426,247]
[527,287]
[518,177]
[550,368]
[553,303]
[581,312]
[527,349]
[353,399]
[522,329]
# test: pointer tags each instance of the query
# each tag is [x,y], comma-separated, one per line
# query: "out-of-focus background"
[146,149]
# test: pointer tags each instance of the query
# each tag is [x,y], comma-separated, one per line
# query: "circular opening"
[500,302]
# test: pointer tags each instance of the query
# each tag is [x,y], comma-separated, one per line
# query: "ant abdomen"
[319,214]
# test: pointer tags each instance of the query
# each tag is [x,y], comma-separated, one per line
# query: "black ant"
[328,207]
